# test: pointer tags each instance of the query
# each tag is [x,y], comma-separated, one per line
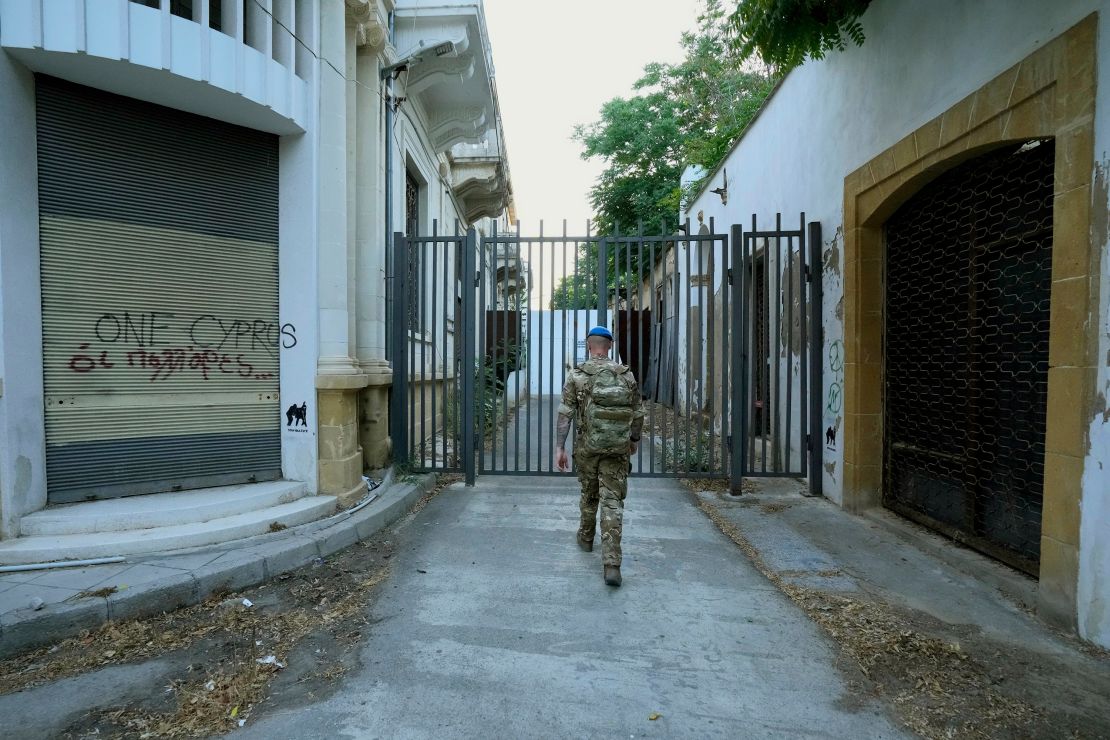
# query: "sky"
[555,64]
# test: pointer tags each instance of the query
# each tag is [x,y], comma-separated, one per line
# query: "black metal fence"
[780,340]
[501,320]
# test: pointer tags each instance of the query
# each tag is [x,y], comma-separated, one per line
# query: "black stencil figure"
[297,413]
[830,438]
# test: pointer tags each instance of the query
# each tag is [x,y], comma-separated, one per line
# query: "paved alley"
[493,624]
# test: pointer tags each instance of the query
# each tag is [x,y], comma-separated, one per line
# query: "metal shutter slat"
[159,271]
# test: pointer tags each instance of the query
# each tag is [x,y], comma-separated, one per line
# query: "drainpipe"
[389,309]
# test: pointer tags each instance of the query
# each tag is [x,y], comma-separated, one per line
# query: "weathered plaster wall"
[829,118]
[22,441]
[1093,591]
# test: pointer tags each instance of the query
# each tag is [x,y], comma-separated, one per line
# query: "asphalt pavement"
[494,624]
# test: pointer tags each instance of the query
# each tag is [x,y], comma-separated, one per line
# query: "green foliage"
[685,113]
[784,33]
[487,416]
[699,457]
[640,138]
[579,290]
[680,114]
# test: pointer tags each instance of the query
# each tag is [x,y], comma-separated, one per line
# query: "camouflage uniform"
[604,478]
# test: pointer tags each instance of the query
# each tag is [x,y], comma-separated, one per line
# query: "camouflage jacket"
[578,386]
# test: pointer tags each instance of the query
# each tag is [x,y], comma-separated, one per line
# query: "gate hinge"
[729,275]
[477,279]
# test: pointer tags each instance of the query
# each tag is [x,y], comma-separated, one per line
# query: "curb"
[247,563]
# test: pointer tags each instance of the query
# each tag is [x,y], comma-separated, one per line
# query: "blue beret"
[600,331]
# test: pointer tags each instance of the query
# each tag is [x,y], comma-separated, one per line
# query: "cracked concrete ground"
[493,624]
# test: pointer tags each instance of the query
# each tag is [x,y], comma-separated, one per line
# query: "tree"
[685,113]
[679,114]
[579,290]
[640,138]
[784,33]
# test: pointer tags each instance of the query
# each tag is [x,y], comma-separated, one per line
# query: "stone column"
[338,378]
[371,245]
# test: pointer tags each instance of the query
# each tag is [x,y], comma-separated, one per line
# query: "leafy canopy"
[679,114]
[784,33]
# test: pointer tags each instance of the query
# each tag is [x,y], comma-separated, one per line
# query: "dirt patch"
[286,639]
[716,485]
[941,680]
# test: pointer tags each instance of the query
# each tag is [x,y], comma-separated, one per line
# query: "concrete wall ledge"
[247,563]
[341,382]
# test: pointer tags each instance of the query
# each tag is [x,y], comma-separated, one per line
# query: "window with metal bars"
[967,282]
[412,229]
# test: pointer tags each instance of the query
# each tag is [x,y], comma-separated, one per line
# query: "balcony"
[454,86]
[240,62]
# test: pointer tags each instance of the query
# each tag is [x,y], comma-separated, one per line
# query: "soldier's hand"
[561,460]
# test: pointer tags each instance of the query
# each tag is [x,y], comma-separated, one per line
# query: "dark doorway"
[968,276]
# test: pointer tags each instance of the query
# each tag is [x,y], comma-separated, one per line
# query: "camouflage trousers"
[604,480]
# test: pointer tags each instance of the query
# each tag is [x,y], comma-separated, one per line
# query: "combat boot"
[585,544]
[612,575]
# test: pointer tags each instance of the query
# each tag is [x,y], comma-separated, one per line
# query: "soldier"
[603,399]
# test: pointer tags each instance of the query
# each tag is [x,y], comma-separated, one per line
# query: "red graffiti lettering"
[80,363]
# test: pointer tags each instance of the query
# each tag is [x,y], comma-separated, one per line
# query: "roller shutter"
[159,269]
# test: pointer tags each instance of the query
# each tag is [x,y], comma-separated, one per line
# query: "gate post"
[738,430]
[816,363]
[602,281]
[398,421]
[469,308]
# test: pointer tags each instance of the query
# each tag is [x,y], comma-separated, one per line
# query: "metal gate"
[780,348]
[500,320]
[968,276]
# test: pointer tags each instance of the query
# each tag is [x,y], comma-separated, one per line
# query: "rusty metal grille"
[968,275]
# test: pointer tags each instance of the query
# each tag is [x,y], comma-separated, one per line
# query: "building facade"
[956,162]
[196,216]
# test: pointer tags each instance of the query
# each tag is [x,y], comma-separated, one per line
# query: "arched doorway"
[968,271]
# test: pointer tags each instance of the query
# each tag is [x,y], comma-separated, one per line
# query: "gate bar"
[602,282]
[738,462]
[398,418]
[468,359]
[816,366]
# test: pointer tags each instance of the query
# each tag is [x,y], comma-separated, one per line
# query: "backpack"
[608,411]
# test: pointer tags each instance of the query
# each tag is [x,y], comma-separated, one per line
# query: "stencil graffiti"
[835,398]
[297,415]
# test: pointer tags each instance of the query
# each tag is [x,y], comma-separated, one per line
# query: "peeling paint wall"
[1093,588]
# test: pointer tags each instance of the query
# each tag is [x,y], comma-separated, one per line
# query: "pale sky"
[556,64]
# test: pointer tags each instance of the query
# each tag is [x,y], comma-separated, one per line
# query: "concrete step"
[46,548]
[159,509]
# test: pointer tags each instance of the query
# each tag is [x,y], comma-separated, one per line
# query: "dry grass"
[225,635]
[216,702]
[98,593]
[936,688]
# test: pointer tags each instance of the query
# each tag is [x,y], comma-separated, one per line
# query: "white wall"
[567,337]
[120,47]
[1094,544]
[830,117]
[22,431]
[128,49]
